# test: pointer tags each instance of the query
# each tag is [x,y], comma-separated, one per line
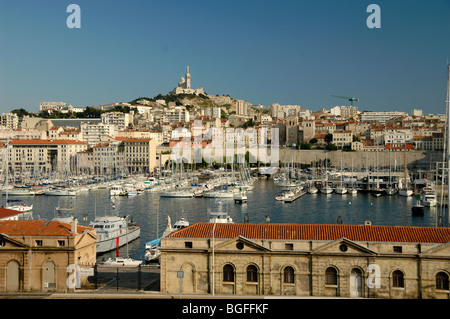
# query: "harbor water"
[151,211]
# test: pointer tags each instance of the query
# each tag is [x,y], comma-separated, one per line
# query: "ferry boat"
[114,232]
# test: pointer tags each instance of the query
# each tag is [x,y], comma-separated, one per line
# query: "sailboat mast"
[447,102]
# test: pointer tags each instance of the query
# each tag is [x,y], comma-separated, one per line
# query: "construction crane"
[351,99]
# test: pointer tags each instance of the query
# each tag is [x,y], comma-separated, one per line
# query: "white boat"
[114,232]
[352,191]
[405,192]
[240,197]
[56,191]
[312,190]
[116,190]
[178,194]
[22,207]
[120,261]
[219,194]
[429,200]
[21,192]
[340,190]
[152,252]
[219,216]
[326,190]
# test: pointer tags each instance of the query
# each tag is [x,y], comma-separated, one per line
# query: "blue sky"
[288,52]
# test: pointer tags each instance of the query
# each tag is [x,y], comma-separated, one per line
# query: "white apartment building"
[398,137]
[44,156]
[107,158]
[241,107]
[9,121]
[97,133]
[139,155]
[119,119]
[176,114]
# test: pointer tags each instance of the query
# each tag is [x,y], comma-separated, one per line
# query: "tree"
[328,138]
[305,146]
[20,112]
[313,140]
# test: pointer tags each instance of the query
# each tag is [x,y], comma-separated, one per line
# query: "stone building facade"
[364,261]
[35,254]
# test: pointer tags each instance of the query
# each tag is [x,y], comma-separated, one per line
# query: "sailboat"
[341,189]
[390,190]
[353,190]
[326,189]
[404,191]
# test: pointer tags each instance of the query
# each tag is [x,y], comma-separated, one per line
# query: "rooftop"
[317,232]
[38,228]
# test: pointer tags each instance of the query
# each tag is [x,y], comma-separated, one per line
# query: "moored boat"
[114,232]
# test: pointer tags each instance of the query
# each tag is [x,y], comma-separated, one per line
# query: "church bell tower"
[188,78]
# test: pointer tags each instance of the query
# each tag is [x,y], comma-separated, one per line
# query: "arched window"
[442,281]
[228,273]
[397,279]
[331,276]
[252,273]
[288,273]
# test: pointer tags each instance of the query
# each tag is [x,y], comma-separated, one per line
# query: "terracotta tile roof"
[38,228]
[45,142]
[317,232]
[4,212]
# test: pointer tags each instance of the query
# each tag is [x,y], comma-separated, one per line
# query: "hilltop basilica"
[184,86]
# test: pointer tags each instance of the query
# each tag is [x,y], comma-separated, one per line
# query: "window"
[240,246]
[187,244]
[397,249]
[343,248]
[288,273]
[330,276]
[397,279]
[289,246]
[442,281]
[61,243]
[39,243]
[228,273]
[252,273]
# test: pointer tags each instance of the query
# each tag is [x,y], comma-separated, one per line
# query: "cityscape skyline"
[296,52]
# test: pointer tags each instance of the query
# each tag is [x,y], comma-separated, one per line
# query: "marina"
[150,210]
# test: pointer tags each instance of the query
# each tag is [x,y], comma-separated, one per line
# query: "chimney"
[74,224]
